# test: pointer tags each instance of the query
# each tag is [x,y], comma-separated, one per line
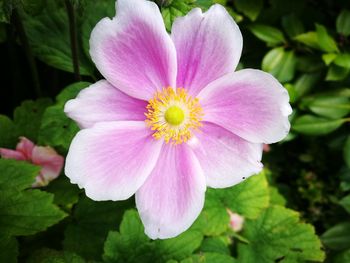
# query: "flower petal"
[133,51]
[250,103]
[12,154]
[173,195]
[208,46]
[102,102]
[26,147]
[112,160]
[226,158]
[50,161]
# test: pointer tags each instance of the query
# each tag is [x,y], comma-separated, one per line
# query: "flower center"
[173,115]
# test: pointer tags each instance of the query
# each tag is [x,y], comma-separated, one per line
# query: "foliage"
[303,193]
[23,211]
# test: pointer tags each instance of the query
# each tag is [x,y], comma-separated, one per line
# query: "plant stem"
[16,20]
[17,86]
[73,39]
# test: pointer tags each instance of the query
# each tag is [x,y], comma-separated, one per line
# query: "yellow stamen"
[173,115]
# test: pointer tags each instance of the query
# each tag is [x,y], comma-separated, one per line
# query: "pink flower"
[48,159]
[236,221]
[171,117]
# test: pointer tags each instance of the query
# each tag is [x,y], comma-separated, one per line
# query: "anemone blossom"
[171,116]
[48,159]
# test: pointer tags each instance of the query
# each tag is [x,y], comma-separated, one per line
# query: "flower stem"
[16,20]
[73,39]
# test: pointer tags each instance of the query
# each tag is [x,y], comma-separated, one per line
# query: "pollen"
[173,115]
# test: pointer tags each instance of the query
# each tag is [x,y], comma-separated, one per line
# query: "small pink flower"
[236,221]
[171,117]
[48,159]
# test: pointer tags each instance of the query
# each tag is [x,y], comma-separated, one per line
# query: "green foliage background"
[296,210]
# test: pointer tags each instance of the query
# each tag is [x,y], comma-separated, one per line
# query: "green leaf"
[271,35]
[318,40]
[175,9]
[27,117]
[130,237]
[280,63]
[325,41]
[330,106]
[213,219]
[70,92]
[66,194]
[292,25]
[312,125]
[8,137]
[165,3]
[131,244]
[179,247]
[56,129]
[92,222]
[33,7]
[248,199]
[343,92]
[278,234]
[309,39]
[24,212]
[290,136]
[206,4]
[343,22]
[115,250]
[27,212]
[346,152]
[345,202]
[236,17]
[310,64]
[275,197]
[210,258]
[337,237]
[48,255]
[342,257]
[343,60]
[329,58]
[291,92]
[251,8]
[94,11]
[216,245]
[336,73]
[132,227]
[4,13]
[8,249]
[48,35]
[17,175]
[345,179]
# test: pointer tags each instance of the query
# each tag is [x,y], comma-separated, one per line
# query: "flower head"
[48,159]
[171,116]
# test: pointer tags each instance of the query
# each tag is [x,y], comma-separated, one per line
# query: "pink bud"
[48,159]
[236,221]
[266,148]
